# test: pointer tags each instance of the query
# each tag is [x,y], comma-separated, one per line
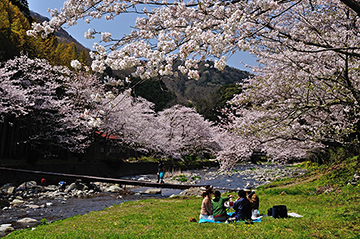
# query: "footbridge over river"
[102,179]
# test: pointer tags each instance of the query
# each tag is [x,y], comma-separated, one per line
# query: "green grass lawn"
[335,214]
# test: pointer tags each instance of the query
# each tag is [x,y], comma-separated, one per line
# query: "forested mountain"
[190,91]
[210,92]
[15,21]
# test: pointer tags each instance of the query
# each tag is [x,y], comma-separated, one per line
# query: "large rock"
[146,179]
[51,188]
[17,201]
[28,222]
[77,185]
[28,185]
[8,188]
[33,206]
[153,191]
[113,189]
[5,229]
[195,191]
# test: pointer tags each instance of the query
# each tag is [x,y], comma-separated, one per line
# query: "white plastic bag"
[255,213]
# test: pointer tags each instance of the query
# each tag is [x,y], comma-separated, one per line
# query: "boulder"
[5,229]
[113,189]
[51,188]
[195,191]
[28,185]
[146,179]
[5,186]
[28,222]
[10,190]
[153,191]
[5,225]
[32,206]
[17,201]
[77,185]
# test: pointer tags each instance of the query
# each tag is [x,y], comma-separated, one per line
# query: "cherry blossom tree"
[176,131]
[41,104]
[51,107]
[131,120]
[305,92]
[186,132]
[248,130]
[189,31]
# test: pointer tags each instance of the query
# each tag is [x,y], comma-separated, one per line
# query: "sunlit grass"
[332,215]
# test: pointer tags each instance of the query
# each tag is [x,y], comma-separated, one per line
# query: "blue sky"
[118,27]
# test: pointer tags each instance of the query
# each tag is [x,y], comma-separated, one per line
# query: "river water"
[235,180]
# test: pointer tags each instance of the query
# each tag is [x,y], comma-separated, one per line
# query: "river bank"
[53,205]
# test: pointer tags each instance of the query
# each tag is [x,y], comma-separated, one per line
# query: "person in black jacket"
[242,208]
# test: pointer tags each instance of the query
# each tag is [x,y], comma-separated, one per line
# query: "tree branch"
[354,5]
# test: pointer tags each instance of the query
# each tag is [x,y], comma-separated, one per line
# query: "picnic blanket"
[293,214]
[258,219]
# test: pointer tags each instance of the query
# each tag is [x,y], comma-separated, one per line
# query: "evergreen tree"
[23,6]
[14,23]
[13,27]
[210,108]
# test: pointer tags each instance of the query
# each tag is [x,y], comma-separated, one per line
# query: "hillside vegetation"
[15,21]
[191,91]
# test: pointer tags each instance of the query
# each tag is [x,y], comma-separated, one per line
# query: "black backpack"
[278,211]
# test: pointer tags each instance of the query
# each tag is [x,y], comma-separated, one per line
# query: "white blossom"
[75,64]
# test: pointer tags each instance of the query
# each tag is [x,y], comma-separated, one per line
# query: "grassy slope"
[329,215]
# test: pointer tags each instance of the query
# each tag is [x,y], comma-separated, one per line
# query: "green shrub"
[180,178]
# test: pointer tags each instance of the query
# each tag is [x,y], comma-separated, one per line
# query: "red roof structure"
[105,135]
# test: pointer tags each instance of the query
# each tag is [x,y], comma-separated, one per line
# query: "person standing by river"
[160,172]
[43,184]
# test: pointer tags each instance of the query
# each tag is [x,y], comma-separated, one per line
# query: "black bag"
[279,211]
[269,212]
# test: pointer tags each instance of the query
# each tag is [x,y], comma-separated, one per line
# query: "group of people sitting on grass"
[245,205]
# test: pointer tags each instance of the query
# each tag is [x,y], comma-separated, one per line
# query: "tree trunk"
[3,138]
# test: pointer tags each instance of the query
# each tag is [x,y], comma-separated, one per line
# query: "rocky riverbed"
[28,205]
